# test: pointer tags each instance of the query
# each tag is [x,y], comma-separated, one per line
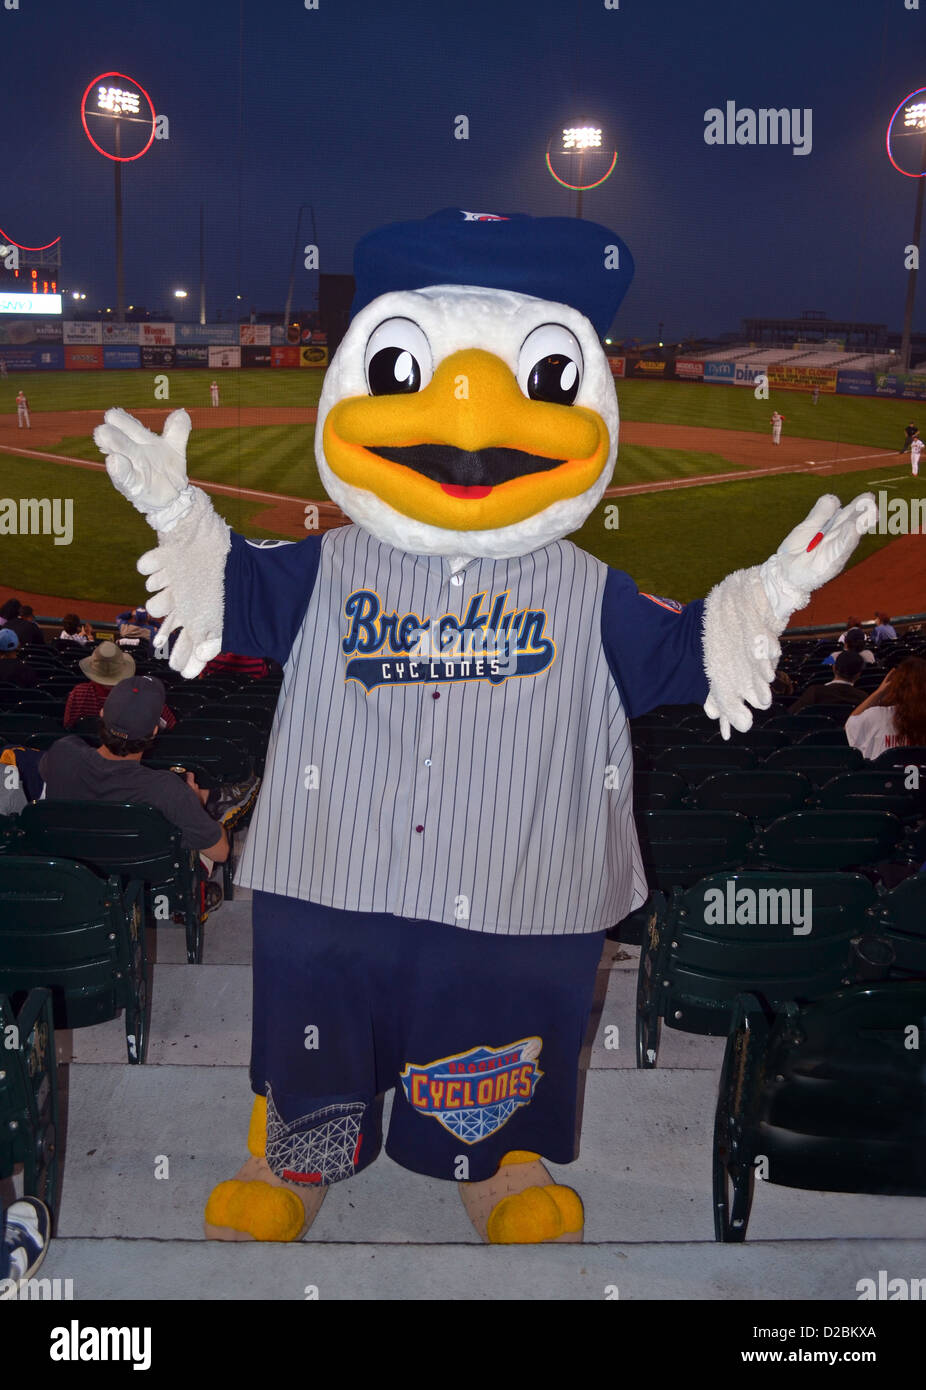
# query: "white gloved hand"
[745,614]
[147,468]
[186,571]
[795,570]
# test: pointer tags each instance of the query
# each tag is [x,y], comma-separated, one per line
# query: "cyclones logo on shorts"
[472,1094]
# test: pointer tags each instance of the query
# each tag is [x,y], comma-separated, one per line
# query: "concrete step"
[644,1172]
[191,1270]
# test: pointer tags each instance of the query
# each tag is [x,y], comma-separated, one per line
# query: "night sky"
[350,107]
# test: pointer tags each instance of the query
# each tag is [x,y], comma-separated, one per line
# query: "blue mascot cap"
[563,259]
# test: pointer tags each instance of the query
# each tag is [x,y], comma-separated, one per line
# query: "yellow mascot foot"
[256,1209]
[521,1205]
[535,1215]
[257,1205]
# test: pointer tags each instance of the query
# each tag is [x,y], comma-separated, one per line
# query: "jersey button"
[427,762]
[456,579]
[436,695]
[419,829]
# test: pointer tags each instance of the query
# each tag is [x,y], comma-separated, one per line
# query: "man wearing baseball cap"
[73,771]
[15,672]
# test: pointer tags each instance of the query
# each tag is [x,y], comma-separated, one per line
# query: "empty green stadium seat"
[871,790]
[657,736]
[696,763]
[29,1095]
[830,1094]
[760,793]
[760,738]
[680,847]
[131,841]
[81,935]
[746,932]
[827,841]
[213,760]
[658,791]
[901,921]
[17,726]
[825,738]
[817,764]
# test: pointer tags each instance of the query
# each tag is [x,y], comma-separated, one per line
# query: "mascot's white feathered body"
[445,826]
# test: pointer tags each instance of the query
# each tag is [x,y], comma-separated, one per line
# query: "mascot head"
[470,409]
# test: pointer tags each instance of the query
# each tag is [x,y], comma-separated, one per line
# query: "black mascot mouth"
[449,466]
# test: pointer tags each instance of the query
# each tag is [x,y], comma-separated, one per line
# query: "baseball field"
[699,488]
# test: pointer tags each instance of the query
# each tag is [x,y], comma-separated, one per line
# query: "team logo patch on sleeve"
[472,1094]
[669,603]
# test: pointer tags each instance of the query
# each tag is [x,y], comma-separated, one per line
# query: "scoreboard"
[30,279]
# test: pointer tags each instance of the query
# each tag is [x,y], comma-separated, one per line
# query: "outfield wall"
[54,345]
[780,375]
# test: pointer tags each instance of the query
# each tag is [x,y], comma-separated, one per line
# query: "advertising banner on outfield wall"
[121,356]
[910,388]
[284,357]
[218,334]
[18,332]
[689,369]
[618,365]
[802,378]
[652,367]
[84,359]
[745,373]
[723,373]
[255,356]
[254,334]
[158,357]
[313,357]
[156,334]
[850,383]
[224,357]
[190,356]
[120,334]
[81,332]
[33,359]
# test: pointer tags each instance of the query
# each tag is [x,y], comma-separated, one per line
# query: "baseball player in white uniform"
[916,448]
[22,411]
[214,392]
[445,829]
[777,422]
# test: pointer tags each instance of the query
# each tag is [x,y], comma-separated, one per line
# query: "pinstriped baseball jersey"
[454,748]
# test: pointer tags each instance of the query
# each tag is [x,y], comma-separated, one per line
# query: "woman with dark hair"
[894,715]
[73,630]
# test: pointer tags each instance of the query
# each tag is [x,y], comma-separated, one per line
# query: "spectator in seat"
[73,630]
[9,611]
[855,642]
[26,628]
[231,664]
[884,630]
[105,668]
[850,624]
[135,624]
[894,715]
[73,771]
[12,670]
[841,690]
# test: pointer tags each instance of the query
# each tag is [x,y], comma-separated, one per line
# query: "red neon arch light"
[583,186]
[8,240]
[919,91]
[117,158]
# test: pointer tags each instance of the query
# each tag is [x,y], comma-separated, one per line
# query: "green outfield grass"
[673,542]
[188,386]
[851,419]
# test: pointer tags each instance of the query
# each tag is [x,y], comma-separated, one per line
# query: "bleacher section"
[692,1009]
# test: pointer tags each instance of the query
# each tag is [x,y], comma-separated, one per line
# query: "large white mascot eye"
[398,359]
[550,365]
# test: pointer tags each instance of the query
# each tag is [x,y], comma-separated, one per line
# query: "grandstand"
[787,807]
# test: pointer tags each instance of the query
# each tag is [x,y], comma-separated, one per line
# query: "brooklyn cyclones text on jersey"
[454,748]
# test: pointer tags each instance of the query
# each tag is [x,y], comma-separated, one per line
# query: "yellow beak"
[468,453]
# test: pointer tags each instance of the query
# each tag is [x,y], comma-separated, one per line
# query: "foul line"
[211,487]
[628,490]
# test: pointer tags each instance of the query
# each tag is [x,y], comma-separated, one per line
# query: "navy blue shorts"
[479,1036]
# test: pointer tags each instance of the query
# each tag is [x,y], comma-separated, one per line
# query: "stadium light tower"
[583,152]
[906,149]
[117,106]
